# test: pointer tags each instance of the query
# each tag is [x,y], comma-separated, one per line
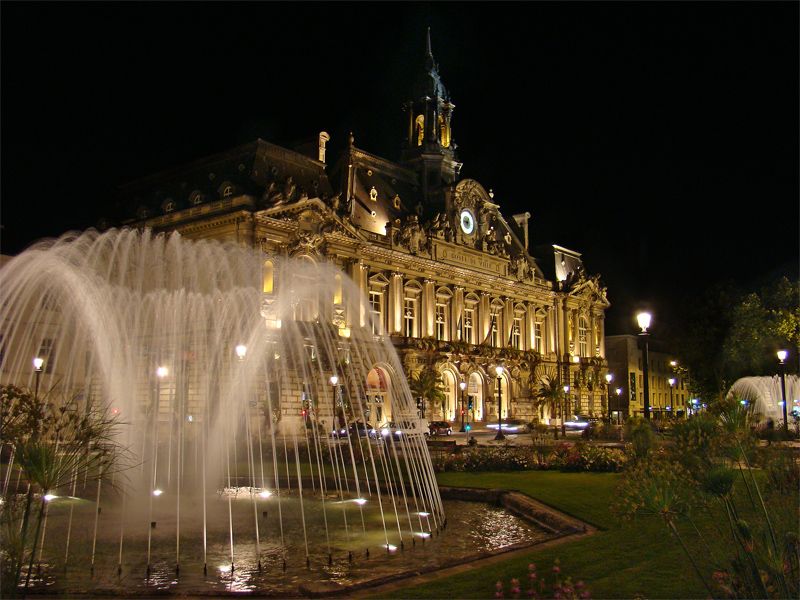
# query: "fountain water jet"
[225,355]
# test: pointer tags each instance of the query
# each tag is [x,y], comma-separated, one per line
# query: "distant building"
[445,274]
[624,356]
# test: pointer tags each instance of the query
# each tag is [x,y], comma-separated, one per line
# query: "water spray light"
[157,492]
[265,493]
[390,547]
[225,568]
[423,534]
[424,514]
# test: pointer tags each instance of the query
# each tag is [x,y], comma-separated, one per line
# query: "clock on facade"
[467,221]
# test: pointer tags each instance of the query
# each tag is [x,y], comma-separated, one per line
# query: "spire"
[430,63]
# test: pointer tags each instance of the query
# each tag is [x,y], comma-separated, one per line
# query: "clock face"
[467,221]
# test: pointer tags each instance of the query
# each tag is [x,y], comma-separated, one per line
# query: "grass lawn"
[622,561]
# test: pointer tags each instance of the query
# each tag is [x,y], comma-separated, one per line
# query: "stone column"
[394,304]
[530,321]
[457,313]
[429,309]
[508,322]
[483,317]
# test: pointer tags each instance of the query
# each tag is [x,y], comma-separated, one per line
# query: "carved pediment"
[589,289]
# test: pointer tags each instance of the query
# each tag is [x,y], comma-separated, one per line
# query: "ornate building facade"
[444,273]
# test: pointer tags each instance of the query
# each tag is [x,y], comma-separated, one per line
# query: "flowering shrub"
[544,586]
[585,457]
[565,456]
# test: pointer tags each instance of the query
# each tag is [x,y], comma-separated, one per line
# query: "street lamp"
[782,354]
[671,382]
[463,386]
[619,406]
[241,351]
[499,371]
[643,319]
[38,363]
[563,411]
[607,411]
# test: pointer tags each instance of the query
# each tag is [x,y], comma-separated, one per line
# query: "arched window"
[267,277]
[420,126]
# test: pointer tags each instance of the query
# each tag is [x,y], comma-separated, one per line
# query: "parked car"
[440,428]
[576,423]
[509,426]
[355,429]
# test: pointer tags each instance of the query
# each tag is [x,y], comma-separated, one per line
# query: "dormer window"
[227,191]
[169,205]
[196,198]
[373,194]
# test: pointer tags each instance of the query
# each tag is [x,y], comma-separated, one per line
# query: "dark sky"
[658,139]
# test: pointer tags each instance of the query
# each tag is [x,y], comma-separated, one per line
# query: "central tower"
[429,148]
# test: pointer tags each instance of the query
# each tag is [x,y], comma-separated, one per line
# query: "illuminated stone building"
[445,274]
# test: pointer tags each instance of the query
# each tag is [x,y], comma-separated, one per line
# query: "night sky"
[658,139]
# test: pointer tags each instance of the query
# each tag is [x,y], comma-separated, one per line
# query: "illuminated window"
[494,328]
[376,311]
[516,333]
[420,126]
[468,325]
[441,321]
[582,337]
[267,277]
[227,191]
[410,317]
[537,336]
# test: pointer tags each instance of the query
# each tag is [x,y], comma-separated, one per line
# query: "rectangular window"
[537,336]
[467,326]
[516,333]
[376,311]
[410,317]
[441,321]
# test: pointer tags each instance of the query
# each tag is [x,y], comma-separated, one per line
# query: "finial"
[491,194]
[352,139]
[428,47]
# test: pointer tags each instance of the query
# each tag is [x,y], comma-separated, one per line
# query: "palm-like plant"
[550,395]
[63,442]
[427,384]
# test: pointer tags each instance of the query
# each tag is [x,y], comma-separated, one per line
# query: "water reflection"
[360,555]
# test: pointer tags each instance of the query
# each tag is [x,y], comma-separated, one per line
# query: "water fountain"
[227,371]
[766,395]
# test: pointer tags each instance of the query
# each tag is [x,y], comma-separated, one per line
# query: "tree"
[427,384]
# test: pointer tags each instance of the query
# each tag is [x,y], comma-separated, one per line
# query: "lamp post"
[499,371]
[782,354]
[644,318]
[38,363]
[609,379]
[463,386]
[619,411]
[564,410]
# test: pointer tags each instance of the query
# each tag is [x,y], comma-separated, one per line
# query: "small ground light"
[157,492]
[390,547]
[225,568]
[423,534]
[360,501]
[265,493]
[424,514]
